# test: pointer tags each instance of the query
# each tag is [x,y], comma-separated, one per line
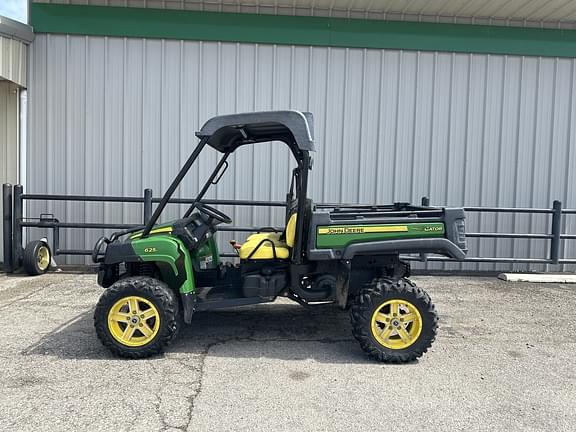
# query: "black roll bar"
[207,185]
[154,218]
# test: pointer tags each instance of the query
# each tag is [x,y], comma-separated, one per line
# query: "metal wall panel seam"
[448,135]
[142,117]
[396,121]
[431,134]
[328,79]
[534,145]
[379,128]
[326,99]
[468,150]
[49,126]
[551,194]
[567,202]
[343,122]
[124,134]
[85,134]
[235,210]
[415,105]
[67,138]
[483,150]
[104,124]
[360,143]
[500,150]
[517,148]
[256,80]
[161,157]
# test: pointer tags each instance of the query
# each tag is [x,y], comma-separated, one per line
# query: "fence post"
[556,227]
[425,202]
[18,250]
[7,227]
[56,240]
[147,205]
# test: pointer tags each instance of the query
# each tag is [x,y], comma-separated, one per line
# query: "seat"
[274,236]
[268,245]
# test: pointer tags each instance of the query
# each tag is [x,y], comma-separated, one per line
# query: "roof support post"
[304,163]
[207,184]
[173,187]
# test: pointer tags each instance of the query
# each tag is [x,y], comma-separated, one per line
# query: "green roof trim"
[298,30]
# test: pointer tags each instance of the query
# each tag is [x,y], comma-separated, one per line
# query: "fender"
[429,245]
[168,252]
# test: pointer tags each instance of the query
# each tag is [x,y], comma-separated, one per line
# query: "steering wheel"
[213,213]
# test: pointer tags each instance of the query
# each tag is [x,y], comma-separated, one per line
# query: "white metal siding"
[13,60]
[8,138]
[114,116]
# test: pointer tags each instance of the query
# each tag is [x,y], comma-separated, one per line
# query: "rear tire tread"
[375,293]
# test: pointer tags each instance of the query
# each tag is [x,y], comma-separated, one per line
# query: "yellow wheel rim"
[133,321]
[43,258]
[396,324]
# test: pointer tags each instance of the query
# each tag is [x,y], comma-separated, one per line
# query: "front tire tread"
[152,289]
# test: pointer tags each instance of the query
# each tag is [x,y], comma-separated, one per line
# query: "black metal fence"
[14,223]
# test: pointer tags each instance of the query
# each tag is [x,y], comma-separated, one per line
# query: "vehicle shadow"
[282,331]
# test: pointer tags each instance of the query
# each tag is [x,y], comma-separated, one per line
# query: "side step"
[230,302]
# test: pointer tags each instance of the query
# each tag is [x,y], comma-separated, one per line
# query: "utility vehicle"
[158,275]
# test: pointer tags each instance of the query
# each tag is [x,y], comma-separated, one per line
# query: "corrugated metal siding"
[13,60]
[113,116]
[522,13]
[8,138]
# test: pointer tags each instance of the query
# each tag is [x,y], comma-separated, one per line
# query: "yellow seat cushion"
[291,230]
[274,236]
[266,249]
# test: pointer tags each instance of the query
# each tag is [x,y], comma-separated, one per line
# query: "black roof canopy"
[228,132]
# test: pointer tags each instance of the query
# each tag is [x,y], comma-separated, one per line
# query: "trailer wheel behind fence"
[37,257]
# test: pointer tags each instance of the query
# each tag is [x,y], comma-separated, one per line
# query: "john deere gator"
[157,276]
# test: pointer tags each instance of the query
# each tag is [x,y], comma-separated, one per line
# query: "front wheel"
[137,317]
[394,321]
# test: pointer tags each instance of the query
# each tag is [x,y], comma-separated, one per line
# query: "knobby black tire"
[30,258]
[371,297]
[164,299]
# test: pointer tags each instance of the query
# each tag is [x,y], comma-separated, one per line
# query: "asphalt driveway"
[505,359]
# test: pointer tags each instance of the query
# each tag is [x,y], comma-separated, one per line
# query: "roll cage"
[229,132]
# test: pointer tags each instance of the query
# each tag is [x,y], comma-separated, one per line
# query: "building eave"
[16,30]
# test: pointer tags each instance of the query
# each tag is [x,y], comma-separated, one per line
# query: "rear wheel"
[137,317]
[37,257]
[394,321]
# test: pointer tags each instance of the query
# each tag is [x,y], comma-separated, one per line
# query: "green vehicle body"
[177,263]
[340,236]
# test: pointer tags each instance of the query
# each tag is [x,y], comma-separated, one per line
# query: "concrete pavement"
[504,360]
